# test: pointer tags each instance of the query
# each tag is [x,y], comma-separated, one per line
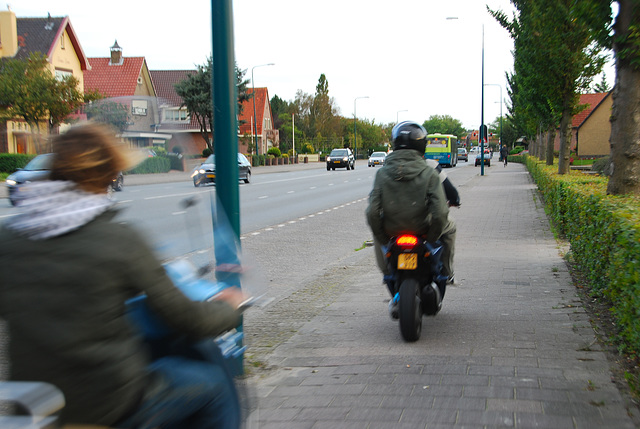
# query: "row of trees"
[559,47]
[318,125]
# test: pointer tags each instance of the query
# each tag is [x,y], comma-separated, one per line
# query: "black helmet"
[409,135]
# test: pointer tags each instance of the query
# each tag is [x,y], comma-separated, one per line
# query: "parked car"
[377,158]
[487,159]
[206,172]
[463,155]
[341,158]
[38,169]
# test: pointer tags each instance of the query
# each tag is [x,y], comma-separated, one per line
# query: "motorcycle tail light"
[407,240]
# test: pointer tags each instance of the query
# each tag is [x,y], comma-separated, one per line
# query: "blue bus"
[443,148]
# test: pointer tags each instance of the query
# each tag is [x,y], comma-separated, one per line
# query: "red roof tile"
[164,81]
[262,97]
[592,100]
[113,80]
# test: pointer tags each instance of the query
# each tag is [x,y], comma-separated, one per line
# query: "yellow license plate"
[336,162]
[407,261]
[211,176]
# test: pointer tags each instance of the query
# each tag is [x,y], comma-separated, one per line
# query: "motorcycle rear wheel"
[410,310]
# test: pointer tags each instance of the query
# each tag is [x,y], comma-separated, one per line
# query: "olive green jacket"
[64,301]
[407,196]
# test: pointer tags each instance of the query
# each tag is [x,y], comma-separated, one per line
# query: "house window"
[176,115]
[61,74]
[62,43]
[139,107]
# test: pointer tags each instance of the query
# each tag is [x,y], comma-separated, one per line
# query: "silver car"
[377,158]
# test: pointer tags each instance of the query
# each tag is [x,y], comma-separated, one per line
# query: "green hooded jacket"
[64,301]
[407,197]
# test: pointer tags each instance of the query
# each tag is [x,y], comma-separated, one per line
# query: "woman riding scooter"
[67,268]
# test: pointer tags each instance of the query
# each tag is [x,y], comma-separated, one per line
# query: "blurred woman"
[67,269]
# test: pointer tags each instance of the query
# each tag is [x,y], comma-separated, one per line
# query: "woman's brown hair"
[89,155]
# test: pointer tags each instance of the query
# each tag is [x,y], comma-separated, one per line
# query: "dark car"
[38,169]
[487,159]
[463,155]
[341,158]
[206,172]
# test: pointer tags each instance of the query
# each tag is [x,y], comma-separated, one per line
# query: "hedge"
[10,162]
[156,164]
[604,233]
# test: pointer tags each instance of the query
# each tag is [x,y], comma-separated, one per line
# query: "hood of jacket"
[406,164]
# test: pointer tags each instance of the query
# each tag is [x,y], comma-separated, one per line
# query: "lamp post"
[253,89]
[482,127]
[355,135]
[499,86]
[399,111]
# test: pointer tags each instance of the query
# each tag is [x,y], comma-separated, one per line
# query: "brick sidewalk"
[512,347]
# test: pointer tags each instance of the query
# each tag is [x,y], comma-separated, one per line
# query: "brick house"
[265,137]
[127,81]
[591,128]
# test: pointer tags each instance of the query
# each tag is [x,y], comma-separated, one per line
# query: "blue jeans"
[187,393]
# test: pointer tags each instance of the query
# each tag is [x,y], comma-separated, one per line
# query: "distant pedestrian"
[504,153]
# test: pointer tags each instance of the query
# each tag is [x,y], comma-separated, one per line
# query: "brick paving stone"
[512,346]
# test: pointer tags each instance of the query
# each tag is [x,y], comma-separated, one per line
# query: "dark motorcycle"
[417,283]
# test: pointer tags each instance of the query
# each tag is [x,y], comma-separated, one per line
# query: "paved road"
[512,347]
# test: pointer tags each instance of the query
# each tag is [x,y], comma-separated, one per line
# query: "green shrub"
[206,152]
[274,151]
[156,164]
[175,162]
[604,232]
[257,160]
[159,150]
[516,150]
[601,165]
[10,162]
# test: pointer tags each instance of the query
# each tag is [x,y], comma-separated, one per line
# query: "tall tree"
[29,91]
[195,91]
[323,112]
[555,58]
[625,115]
[444,124]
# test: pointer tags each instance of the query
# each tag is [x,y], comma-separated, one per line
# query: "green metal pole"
[225,121]
[226,218]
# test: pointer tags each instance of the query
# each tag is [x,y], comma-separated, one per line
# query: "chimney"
[8,34]
[116,55]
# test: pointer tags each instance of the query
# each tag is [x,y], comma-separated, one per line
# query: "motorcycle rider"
[67,268]
[407,196]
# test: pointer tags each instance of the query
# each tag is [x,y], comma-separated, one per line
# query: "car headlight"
[345,158]
[328,158]
[11,182]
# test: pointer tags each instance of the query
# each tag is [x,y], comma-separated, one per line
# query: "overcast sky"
[405,55]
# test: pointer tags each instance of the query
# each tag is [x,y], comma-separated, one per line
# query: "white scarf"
[52,208]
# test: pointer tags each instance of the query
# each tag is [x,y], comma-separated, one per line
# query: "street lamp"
[499,86]
[482,131]
[482,128]
[255,125]
[355,136]
[399,111]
